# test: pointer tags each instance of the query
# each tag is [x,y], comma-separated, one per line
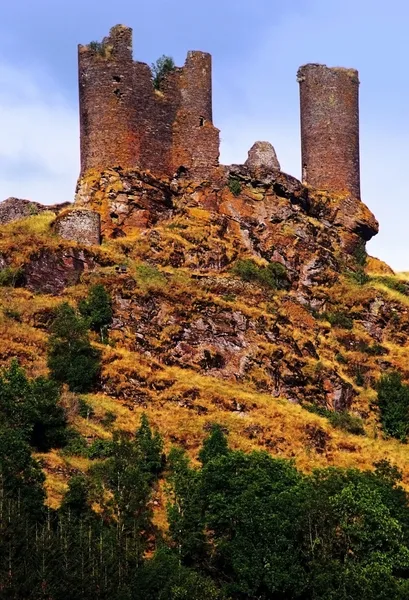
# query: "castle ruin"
[330,128]
[125,122]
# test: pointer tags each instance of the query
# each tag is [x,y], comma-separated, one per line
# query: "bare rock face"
[14,209]
[50,272]
[262,157]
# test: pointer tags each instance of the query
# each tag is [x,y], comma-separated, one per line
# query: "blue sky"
[257,48]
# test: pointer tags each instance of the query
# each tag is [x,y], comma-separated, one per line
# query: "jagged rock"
[51,272]
[13,209]
[262,157]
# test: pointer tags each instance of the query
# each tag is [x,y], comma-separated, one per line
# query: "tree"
[160,68]
[31,407]
[149,446]
[214,445]
[393,404]
[71,358]
[97,309]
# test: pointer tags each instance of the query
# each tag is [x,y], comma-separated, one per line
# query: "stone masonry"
[79,225]
[125,122]
[330,128]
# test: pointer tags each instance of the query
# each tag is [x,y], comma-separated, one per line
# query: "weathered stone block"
[79,225]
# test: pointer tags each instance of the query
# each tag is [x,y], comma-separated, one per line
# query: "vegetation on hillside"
[242,526]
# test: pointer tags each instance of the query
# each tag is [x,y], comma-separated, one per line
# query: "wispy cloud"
[39,138]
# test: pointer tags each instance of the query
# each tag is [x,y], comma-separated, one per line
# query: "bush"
[108,419]
[393,404]
[11,277]
[274,275]
[340,420]
[359,276]
[339,319]
[85,410]
[394,284]
[160,68]
[234,186]
[97,48]
[70,357]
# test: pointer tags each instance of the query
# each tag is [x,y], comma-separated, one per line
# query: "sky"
[257,47]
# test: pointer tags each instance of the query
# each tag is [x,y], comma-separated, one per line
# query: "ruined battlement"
[125,122]
[329,99]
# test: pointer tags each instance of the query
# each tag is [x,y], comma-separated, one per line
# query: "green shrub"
[394,284]
[70,356]
[274,275]
[160,68]
[108,419]
[85,410]
[10,313]
[340,420]
[234,186]
[359,277]
[361,255]
[97,48]
[100,449]
[339,319]
[76,444]
[11,277]
[393,404]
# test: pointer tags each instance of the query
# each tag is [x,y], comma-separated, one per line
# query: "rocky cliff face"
[230,296]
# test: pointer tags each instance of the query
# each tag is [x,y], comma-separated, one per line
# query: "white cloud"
[39,138]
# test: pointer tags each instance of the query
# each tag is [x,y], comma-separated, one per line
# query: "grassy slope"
[255,420]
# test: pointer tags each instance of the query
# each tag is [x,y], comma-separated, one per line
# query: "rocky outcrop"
[14,209]
[262,158]
[50,272]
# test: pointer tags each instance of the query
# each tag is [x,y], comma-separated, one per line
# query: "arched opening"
[202,121]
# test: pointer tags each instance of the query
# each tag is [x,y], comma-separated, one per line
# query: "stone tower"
[125,122]
[329,100]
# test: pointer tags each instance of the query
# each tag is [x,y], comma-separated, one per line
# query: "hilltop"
[245,302]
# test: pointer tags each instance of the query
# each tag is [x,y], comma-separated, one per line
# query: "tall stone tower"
[329,100]
[125,122]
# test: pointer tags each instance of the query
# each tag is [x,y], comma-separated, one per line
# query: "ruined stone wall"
[125,122]
[107,112]
[79,225]
[330,128]
[195,139]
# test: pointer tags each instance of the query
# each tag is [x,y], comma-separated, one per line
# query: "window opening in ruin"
[202,121]
[113,216]
[117,78]
[118,93]
[181,171]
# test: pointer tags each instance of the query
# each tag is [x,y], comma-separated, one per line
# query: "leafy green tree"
[186,509]
[393,404]
[71,358]
[214,445]
[150,448]
[76,499]
[31,406]
[97,309]
[252,514]
[21,477]
[163,578]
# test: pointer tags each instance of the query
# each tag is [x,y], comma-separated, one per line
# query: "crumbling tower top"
[125,122]
[329,100]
